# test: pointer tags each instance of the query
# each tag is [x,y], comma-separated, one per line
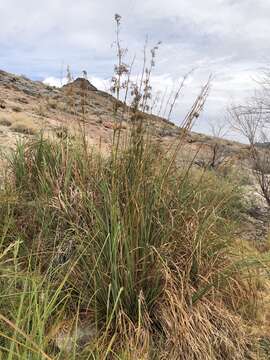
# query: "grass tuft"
[24,125]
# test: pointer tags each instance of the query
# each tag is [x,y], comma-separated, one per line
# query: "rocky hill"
[27,106]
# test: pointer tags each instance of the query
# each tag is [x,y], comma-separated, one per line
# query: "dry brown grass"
[52,104]
[24,125]
[5,120]
[16,108]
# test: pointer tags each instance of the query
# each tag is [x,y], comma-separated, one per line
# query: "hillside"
[49,107]
[35,105]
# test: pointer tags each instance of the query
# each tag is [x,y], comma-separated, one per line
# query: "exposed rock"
[253,200]
[169,132]
[81,84]
[22,100]
[256,217]
[70,333]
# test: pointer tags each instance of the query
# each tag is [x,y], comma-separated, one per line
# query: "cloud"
[54,81]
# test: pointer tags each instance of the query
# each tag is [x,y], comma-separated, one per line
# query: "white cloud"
[54,81]
[101,84]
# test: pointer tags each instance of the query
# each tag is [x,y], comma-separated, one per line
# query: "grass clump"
[24,125]
[16,108]
[137,248]
[52,103]
[5,121]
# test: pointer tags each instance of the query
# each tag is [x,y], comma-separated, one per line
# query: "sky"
[226,38]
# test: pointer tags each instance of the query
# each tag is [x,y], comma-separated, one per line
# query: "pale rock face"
[257,215]
[70,334]
[253,197]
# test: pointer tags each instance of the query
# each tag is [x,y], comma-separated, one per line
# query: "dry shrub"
[16,108]
[5,120]
[52,103]
[205,330]
[132,341]
[41,109]
[24,125]
[62,107]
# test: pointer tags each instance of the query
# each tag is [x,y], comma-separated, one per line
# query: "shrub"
[52,103]
[24,125]
[41,110]
[5,121]
[16,108]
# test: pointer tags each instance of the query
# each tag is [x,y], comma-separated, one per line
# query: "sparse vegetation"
[251,120]
[24,125]
[5,121]
[52,103]
[16,108]
[41,109]
[2,104]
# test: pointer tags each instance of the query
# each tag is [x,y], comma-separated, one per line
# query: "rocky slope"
[33,105]
[48,107]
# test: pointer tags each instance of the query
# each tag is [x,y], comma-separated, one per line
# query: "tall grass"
[131,244]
